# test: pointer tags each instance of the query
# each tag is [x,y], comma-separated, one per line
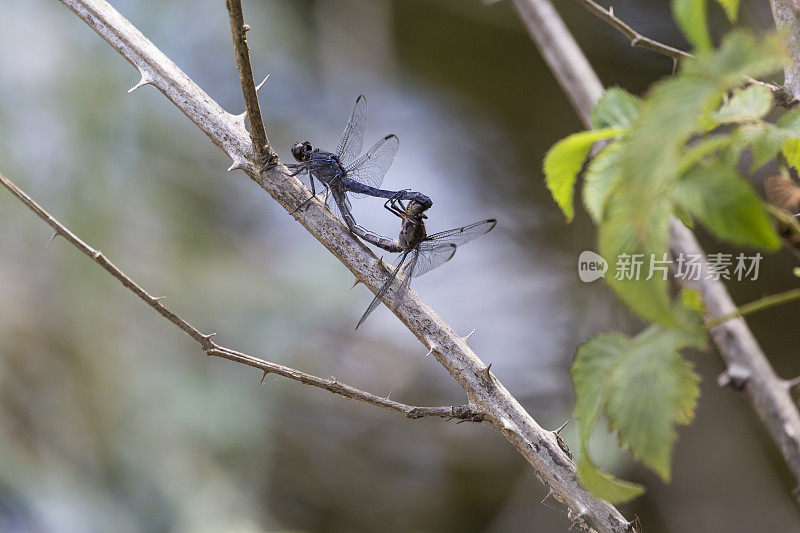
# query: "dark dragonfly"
[344,171]
[419,252]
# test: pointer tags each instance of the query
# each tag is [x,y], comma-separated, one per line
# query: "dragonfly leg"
[392,203]
[313,194]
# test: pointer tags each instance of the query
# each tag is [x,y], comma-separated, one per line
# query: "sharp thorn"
[264,377]
[611,11]
[208,337]
[558,431]
[143,81]
[389,395]
[158,298]
[468,335]
[354,284]
[549,493]
[429,352]
[237,164]
[487,373]
[260,85]
[52,237]
[791,383]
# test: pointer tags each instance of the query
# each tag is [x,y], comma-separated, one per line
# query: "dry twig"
[261,149]
[461,412]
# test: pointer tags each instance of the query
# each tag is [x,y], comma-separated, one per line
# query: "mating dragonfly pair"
[345,172]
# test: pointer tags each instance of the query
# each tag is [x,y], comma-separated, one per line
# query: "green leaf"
[746,105]
[601,176]
[643,386]
[631,236]
[789,123]
[726,204]
[617,108]
[791,151]
[565,159]
[740,54]
[702,149]
[604,485]
[691,300]
[731,8]
[766,145]
[692,19]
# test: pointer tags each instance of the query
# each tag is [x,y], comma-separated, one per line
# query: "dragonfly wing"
[370,168]
[432,257]
[353,136]
[440,248]
[383,290]
[459,236]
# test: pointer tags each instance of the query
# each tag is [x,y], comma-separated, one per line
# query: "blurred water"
[109,417]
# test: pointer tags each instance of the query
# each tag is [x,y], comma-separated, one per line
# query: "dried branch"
[736,344]
[637,39]
[461,412]
[484,391]
[261,148]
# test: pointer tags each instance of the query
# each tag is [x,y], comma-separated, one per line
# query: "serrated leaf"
[643,386]
[691,17]
[601,175]
[791,152]
[617,108]
[746,105]
[604,485]
[654,389]
[731,8]
[564,161]
[726,204]
[631,236]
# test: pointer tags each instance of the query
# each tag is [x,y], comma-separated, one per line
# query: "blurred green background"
[112,420]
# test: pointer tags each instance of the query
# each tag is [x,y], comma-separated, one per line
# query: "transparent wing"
[431,258]
[370,168]
[440,248]
[353,135]
[459,236]
[383,290]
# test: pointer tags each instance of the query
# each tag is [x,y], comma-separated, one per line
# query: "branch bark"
[262,151]
[787,17]
[461,412]
[768,394]
[484,391]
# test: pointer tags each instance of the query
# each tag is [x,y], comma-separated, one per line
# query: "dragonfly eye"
[301,150]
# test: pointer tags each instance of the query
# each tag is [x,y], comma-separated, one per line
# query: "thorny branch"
[637,39]
[461,412]
[768,394]
[261,149]
[485,393]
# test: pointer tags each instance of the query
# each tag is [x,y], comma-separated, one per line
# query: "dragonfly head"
[302,151]
[416,209]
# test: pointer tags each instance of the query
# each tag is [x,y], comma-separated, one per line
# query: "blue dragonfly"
[343,171]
